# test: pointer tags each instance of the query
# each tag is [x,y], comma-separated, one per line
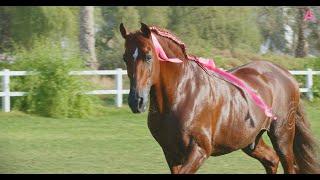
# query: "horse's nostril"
[140,102]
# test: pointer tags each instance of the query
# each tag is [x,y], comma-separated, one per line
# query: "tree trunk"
[4,29]
[86,37]
[301,49]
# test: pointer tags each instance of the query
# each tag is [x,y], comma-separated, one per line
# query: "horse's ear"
[145,30]
[123,30]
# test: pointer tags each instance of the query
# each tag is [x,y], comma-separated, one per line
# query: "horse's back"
[265,72]
[273,83]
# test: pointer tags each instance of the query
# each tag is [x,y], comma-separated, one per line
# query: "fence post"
[119,87]
[6,90]
[309,84]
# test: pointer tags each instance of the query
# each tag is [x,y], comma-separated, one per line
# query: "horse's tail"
[305,146]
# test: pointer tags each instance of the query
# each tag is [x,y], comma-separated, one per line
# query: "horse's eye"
[148,57]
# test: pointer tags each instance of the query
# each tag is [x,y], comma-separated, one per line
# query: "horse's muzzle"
[138,101]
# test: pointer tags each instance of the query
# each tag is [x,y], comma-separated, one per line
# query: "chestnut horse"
[194,114]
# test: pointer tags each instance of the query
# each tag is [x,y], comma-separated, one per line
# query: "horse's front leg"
[193,160]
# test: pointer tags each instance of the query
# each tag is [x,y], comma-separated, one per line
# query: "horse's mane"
[167,34]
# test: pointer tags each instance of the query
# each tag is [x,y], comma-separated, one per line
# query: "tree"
[313,38]
[205,28]
[148,14]
[183,25]
[22,25]
[86,36]
[271,22]
[4,29]
[301,50]
[110,44]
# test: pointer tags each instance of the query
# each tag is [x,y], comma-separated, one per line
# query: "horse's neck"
[162,93]
[171,75]
[175,79]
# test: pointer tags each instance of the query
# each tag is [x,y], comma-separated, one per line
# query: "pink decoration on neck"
[160,52]
[209,64]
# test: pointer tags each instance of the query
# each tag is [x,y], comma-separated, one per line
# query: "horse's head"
[140,58]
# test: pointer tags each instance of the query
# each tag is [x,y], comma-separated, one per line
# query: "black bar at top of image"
[160,2]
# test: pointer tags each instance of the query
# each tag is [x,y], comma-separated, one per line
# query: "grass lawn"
[119,142]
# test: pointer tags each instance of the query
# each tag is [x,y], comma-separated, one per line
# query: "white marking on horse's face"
[135,54]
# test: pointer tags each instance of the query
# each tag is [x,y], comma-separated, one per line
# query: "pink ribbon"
[161,54]
[209,64]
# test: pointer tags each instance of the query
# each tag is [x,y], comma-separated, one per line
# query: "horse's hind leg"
[282,135]
[265,154]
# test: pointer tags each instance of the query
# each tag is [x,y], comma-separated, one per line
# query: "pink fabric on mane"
[209,64]
[162,55]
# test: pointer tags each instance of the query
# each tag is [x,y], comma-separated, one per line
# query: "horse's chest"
[166,131]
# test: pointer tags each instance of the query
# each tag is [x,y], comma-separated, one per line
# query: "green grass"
[118,142]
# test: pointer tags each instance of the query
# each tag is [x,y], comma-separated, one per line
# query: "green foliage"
[314,36]
[226,59]
[316,79]
[189,31]
[114,54]
[27,23]
[110,44]
[200,28]
[204,28]
[129,15]
[270,21]
[148,14]
[51,91]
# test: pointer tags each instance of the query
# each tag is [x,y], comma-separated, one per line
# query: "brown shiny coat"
[193,114]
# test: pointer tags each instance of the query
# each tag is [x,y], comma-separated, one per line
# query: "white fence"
[118,91]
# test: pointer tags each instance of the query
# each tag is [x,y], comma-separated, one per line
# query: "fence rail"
[118,91]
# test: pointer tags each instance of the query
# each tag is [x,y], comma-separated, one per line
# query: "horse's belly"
[231,138]
[221,150]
